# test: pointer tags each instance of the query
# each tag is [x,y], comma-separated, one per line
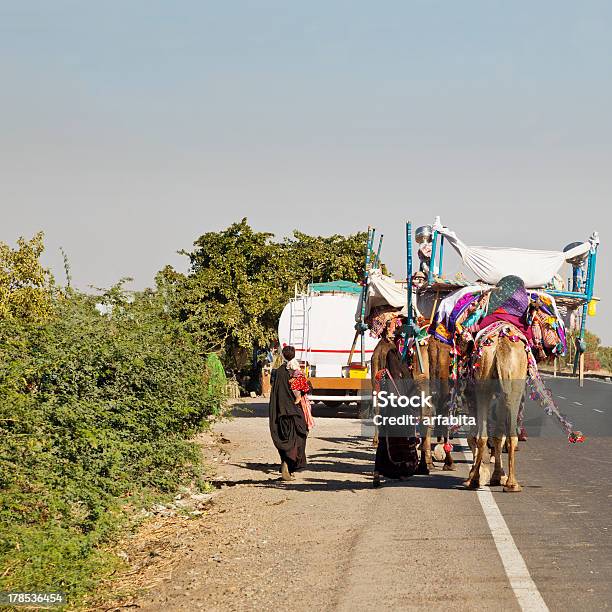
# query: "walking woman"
[396,452]
[288,425]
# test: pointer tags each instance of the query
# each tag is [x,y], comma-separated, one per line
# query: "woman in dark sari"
[288,426]
[396,453]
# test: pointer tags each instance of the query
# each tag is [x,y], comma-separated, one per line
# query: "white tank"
[321,327]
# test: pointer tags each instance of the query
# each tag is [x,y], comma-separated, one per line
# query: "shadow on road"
[259,408]
[358,460]
[440,481]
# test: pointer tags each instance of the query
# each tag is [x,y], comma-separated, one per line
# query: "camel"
[437,372]
[422,381]
[502,370]
[435,358]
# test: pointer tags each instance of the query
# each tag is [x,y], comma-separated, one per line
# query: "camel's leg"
[443,403]
[498,472]
[512,485]
[472,410]
[492,453]
[429,382]
[512,380]
[483,393]
[428,457]
[449,464]
[473,481]
[471,440]
[425,462]
[483,401]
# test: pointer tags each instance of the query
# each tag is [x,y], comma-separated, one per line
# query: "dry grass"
[158,544]
[151,554]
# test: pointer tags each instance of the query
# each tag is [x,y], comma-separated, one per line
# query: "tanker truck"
[320,324]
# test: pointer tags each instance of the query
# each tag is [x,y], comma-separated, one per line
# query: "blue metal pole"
[593,268]
[365,291]
[408,327]
[432,263]
[411,329]
[570,294]
[364,288]
[441,256]
[409,270]
[588,294]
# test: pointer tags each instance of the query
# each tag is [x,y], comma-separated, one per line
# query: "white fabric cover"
[382,291]
[490,264]
[446,305]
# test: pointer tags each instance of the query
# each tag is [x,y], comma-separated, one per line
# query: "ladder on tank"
[297,326]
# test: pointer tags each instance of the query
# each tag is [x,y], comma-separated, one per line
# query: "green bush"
[605,356]
[96,415]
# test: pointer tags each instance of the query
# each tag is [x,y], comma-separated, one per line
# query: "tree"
[239,281]
[228,298]
[594,356]
[605,356]
[97,416]
[26,287]
[321,259]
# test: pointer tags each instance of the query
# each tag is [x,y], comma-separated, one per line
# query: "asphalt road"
[562,521]
[589,408]
[329,541]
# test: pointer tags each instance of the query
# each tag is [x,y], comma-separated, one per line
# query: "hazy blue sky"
[130,128]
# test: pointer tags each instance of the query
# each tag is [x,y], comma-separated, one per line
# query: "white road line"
[525,589]
[578,403]
[561,397]
[595,409]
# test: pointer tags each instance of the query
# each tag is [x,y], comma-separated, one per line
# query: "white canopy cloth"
[490,264]
[383,291]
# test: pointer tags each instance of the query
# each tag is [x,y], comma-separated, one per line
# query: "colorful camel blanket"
[534,313]
[501,329]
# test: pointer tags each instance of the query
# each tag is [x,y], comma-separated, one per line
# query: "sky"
[128,129]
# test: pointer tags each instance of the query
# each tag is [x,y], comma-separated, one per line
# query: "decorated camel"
[482,339]
[501,369]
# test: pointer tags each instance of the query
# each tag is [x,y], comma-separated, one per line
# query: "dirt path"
[328,541]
